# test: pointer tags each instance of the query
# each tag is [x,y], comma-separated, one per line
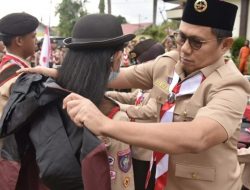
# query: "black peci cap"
[212,13]
[18,24]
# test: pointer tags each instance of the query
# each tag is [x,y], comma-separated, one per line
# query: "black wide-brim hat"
[212,13]
[96,31]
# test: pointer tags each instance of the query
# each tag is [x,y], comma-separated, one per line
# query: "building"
[242,22]
[134,28]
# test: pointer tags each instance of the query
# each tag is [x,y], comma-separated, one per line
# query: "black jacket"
[67,156]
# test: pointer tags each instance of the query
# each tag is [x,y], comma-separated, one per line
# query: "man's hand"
[83,112]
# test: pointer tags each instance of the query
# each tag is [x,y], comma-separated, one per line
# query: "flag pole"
[46,48]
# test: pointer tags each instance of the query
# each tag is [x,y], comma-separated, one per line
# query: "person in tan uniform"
[244,158]
[2,49]
[207,104]
[18,32]
[119,153]
[140,107]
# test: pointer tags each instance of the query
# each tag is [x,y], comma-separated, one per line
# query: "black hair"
[7,40]
[221,34]
[86,72]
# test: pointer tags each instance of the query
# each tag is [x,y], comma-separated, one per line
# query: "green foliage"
[121,19]
[158,33]
[69,11]
[101,6]
[238,43]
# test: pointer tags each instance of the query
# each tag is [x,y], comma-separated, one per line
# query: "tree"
[158,33]
[101,6]
[109,7]
[235,49]
[69,11]
[121,19]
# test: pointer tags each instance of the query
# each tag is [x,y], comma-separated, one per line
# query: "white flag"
[45,51]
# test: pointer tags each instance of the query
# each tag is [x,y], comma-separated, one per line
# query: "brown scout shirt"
[8,69]
[244,158]
[222,96]
[119,153]
[146,112]
[5,85]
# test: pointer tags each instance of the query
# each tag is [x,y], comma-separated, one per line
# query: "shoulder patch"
[162,84]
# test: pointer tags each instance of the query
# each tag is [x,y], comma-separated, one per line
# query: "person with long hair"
[69,158]
[195,145]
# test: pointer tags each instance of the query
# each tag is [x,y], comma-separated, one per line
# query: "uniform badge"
[112,175]
[169,80]
[126,182]
[200,5]
[171,98]
[111,160]
[162,85]
[124,160]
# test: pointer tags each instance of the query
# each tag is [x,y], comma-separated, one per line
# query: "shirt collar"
[17,57]
[206,71]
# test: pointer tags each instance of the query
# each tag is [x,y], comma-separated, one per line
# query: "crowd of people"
[177,129]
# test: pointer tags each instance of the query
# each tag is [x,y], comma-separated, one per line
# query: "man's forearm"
[160,137]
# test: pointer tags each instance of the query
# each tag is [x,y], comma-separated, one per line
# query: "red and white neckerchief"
[139,97]
[17,60]
[9,71]
[186,87]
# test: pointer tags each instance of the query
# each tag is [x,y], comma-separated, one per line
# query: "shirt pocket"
[194,172]
[185,109]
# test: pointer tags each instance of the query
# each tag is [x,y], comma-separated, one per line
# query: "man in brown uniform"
[202,139]
[140,107]
[17,31]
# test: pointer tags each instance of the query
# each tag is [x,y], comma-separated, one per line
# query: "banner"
[45,50]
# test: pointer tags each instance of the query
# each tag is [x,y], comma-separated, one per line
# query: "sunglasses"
[194,42]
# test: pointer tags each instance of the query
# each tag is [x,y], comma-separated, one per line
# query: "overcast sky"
[133,10]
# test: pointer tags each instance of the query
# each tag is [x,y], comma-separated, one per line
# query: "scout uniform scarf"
[9,71]
[139,98]
[186,87]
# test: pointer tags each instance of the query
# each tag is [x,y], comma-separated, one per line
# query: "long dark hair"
[86,72]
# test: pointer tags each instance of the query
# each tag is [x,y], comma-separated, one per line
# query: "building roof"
[133,28]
